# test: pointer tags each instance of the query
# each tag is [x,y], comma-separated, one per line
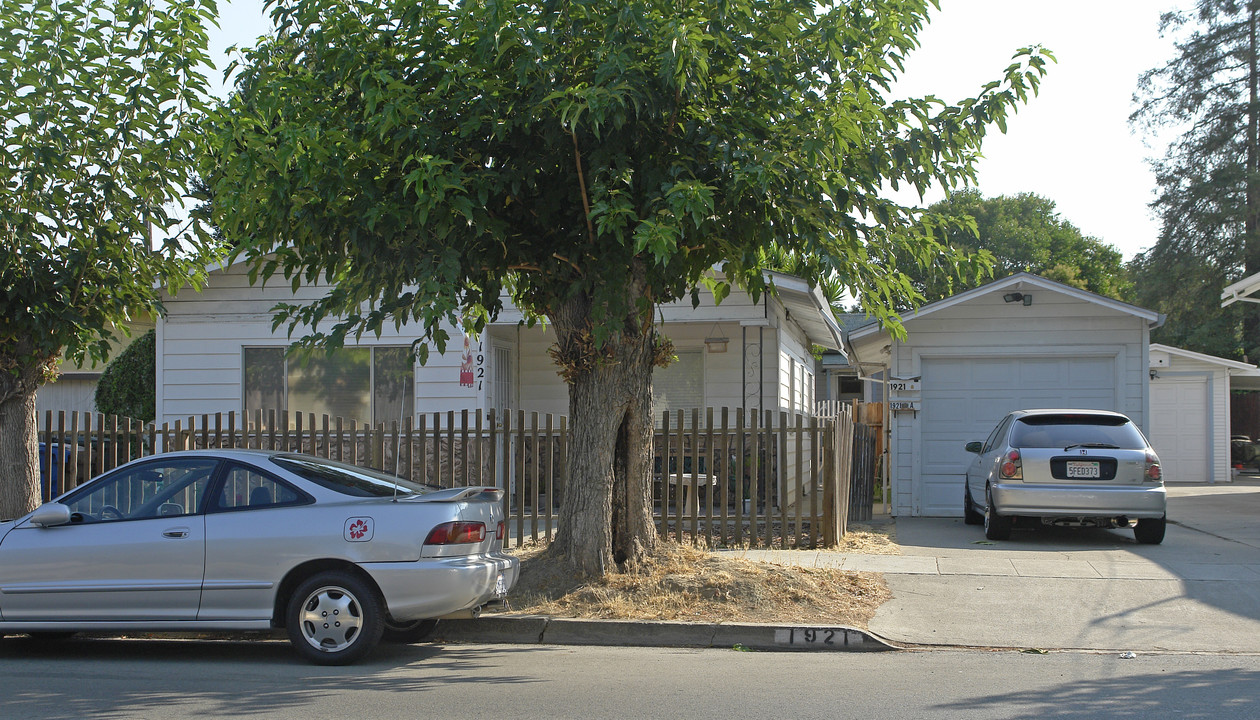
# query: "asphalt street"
[182,680]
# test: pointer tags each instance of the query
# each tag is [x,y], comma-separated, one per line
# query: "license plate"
[1081,469]
[500,587]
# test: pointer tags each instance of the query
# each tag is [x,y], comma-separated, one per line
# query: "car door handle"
[176,533]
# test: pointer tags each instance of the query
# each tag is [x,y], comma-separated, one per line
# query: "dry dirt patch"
[687,583]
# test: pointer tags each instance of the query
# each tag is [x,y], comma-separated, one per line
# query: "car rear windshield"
[348,479]
[1062,431]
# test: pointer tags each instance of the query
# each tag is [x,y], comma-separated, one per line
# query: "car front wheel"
[971,516]
[1150,531]
[996,527]
[334,618]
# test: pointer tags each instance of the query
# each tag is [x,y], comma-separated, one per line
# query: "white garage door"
[1180,429]
[964,398]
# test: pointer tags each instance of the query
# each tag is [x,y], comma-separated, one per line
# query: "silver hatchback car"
[1086,468]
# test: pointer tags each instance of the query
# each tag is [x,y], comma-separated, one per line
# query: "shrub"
[128,385]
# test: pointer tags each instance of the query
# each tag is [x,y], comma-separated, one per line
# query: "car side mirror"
[50,514]
[975,446]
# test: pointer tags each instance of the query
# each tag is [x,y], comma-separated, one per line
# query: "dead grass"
[686,583]
[870,539]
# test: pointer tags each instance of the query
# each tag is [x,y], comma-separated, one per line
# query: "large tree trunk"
[1251,251]
[606,511]
[19,446]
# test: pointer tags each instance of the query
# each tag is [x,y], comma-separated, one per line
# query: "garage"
[964,398]
[965,361]
[1189,426]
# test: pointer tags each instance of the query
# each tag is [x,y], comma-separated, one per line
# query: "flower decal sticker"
[358,529]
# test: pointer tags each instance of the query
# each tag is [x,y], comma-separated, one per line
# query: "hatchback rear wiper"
[1104,446]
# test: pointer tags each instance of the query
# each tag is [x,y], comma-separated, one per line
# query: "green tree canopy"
[99,102]
[592,160]
[1209,178]
[1020,233]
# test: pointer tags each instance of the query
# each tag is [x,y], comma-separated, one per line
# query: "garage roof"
[1023,283]
[1242,376]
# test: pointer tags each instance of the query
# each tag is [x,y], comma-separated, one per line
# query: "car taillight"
[1012,468]
[498,533]
[1153,471]
[456,533]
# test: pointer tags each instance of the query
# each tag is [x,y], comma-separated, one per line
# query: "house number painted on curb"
[817,637]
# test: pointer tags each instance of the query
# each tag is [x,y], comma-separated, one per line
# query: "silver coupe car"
[337,555]
[1065,467]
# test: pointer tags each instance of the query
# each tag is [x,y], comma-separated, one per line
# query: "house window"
[680,386]
[365,384]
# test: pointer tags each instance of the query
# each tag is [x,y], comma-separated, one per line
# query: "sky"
[1072,144]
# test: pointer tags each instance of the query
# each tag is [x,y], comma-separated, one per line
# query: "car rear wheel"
[52,635]
[334,618]
[1150,531]
[996,527]
[408,632]
[971,516]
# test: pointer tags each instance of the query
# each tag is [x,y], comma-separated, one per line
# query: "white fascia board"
[1233,365]
[1022,282]
[1241,291]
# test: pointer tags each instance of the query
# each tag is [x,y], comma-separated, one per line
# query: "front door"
[134,550]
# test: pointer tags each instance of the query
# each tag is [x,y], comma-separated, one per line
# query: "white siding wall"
[201,339]
[986,326]
[70,393]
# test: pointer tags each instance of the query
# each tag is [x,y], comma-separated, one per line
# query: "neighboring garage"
[1021,342]
[1189,426]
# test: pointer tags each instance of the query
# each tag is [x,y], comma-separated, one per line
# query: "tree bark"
[19,444]
[1251,230]
[606,511]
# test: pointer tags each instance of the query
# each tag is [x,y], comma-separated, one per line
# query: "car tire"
[408,632]
[334,618]
[971,516]
[51,635]
[996,527]
[1150,531]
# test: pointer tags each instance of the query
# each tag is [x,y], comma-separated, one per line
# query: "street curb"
[540,629]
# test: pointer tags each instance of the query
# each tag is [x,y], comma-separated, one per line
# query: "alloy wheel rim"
[331,619]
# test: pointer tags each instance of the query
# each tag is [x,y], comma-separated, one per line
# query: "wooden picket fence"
[725,477]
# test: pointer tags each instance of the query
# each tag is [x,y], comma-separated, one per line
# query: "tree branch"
[586,202]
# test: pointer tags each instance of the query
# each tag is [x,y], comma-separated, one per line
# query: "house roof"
[1242,376]
[809,308]
[1021,282]
[1241,291]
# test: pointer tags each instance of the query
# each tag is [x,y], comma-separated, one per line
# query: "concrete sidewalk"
[1199,591]
[1044,588]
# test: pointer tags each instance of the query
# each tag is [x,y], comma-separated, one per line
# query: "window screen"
[369,385]
[679,386]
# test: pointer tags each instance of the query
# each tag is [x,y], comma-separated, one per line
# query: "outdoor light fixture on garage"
[716,343]
[1018,297]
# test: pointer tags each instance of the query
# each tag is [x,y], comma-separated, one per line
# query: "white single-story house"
[217,352]
[1019,342]
[1190,418]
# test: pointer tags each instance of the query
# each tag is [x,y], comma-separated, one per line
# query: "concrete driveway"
[1079,588]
